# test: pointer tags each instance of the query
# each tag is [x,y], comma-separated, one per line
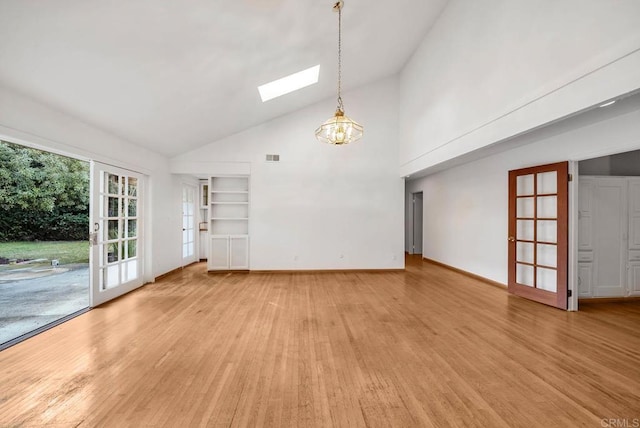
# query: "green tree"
[43,196]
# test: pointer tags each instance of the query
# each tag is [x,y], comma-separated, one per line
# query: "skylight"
[290,83]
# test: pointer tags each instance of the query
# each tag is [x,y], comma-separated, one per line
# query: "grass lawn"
[64,251]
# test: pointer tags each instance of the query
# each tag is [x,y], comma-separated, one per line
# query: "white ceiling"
[174,75]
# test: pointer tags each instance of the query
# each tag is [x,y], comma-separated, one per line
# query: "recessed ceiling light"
[290,83]
[608,104]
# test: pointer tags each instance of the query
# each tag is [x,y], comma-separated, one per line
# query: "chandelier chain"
[340,106]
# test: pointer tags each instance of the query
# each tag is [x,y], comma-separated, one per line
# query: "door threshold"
[41,329]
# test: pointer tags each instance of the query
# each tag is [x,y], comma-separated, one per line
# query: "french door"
[538,233]
[117,226]
[188,224]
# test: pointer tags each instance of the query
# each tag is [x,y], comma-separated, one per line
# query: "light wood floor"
[425,347]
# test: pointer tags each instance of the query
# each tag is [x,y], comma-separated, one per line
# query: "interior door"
[538,233]
[188,224]
[116,219]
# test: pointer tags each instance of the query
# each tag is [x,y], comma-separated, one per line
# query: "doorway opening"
[609,227]
[418,209]
[44,252]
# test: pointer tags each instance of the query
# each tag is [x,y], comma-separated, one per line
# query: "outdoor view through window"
[44,250]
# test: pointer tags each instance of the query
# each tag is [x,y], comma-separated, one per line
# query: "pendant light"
[339,129]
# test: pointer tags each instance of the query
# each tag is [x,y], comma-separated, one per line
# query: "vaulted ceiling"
[174,75]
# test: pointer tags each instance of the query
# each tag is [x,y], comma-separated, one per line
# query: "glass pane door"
[188,224]
[117,224]
[538,227]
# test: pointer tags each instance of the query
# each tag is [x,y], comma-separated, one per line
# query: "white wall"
[493,69]
[25,121]
[320,202]
[466,207]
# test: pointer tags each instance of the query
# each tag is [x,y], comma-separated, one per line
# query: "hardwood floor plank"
[425,347]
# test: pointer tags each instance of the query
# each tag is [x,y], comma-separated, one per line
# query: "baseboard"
[172,271]
[464,272]
[596,300]
[328,271]
[227,271]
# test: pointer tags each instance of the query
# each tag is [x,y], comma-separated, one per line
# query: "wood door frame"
[558,299]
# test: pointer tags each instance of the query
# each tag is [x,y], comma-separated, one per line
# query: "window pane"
[525,207]
[524,230]
[133,186]
[548,182]
[112,184]
[132,229]
[524,252]
[547,255]
[548,231]
[133,207]
[132,248]
[112,229]
[524,275]
[548,206]
[547,279]
[112,252]
[113,207]
[525,185]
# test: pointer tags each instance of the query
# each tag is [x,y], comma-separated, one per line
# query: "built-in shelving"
[228,223]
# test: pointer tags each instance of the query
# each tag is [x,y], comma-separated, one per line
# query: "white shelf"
[230,218]
[230,203]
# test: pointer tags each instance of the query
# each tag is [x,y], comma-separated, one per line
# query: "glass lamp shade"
[339,129]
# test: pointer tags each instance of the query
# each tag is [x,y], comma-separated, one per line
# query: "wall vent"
[273,158]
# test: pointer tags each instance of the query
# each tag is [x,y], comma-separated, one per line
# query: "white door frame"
[572,260]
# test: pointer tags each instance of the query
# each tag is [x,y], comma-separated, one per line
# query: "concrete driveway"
[27,304]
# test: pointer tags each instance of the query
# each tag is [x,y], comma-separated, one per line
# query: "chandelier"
[339,129]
